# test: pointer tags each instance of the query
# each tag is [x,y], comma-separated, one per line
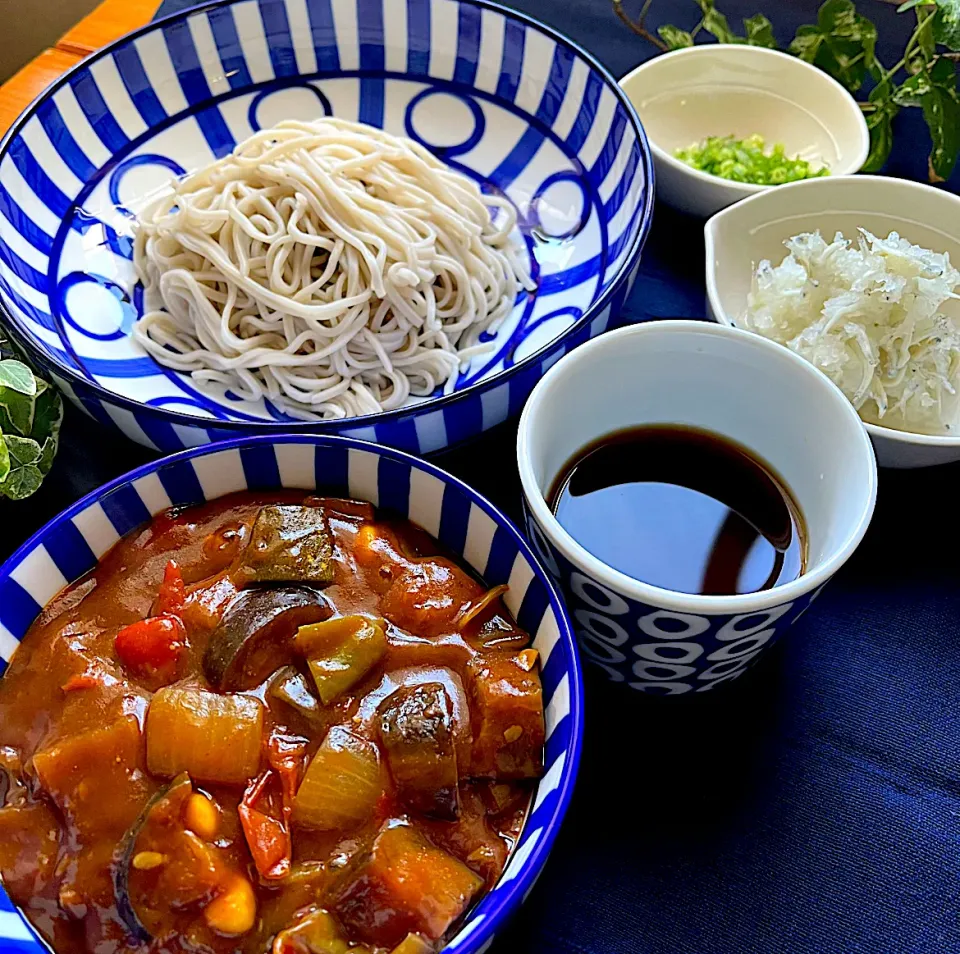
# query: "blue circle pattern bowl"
[496,95]
[465,523]
[656,651]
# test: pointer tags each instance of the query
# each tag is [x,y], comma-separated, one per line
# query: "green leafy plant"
[30,416]
[843,43]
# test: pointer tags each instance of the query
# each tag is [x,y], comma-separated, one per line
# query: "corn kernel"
[202,816]
[148,860]
[234,911]
[527,659]
[513,733]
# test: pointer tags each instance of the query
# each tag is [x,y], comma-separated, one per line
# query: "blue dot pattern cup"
[737,385]
[658,651]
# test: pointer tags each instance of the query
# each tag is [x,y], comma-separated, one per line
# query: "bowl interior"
[730,382]
[467,525]
[687,96]
[504,101]
[742,236]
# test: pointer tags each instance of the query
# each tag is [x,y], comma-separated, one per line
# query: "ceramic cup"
[737,385]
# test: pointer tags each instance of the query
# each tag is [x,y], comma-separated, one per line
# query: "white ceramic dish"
[730,382]
[722,90]
[739,237]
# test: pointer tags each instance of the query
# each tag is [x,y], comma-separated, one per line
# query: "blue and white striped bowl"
[465,523]
[495,94]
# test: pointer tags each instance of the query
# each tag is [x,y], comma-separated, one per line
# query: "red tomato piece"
[152,647]
[84,680]
[267,838]
[173,592]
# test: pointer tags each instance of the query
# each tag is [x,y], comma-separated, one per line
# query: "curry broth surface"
[57,864]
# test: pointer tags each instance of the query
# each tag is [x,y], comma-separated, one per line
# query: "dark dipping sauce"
[683,509]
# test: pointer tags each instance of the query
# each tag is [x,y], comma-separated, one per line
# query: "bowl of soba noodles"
[377,218]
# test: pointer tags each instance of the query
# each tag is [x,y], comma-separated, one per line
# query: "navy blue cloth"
[814,808]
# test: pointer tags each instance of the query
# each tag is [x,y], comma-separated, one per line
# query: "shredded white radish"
[868,315]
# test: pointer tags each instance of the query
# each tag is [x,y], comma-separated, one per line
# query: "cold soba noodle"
[329,267]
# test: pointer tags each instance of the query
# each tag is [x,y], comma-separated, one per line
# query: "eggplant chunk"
[166,803]
[506,705]
[254,637]
[416,729]
[161,866]
[289,544]
[292,689]
[406,885]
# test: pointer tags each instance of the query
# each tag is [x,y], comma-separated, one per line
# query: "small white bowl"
[739,237]
[733,383]
[726,90]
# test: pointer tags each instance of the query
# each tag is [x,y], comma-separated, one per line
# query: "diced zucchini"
[341,651]
[341,786]
[289,544]
[506,704]
[213,737]
[406,885]
[416,728]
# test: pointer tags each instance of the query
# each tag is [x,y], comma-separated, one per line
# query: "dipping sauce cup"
[739,386]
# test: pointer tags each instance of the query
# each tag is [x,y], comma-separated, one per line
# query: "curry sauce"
[266,724]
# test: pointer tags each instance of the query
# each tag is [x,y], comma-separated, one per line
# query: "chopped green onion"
[745,160]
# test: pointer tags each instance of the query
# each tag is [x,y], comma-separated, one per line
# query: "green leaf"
[912,90]
[760,32]
[842,43]
[716,24]
[24,475]
[806,44]
[16,411]
[22,482]
[22,451]
[910,4]
[16,376]
[47,454]
[31,413]
[674,37]
[946,24]
[925,37]
[48,415]
[880,124]
[942,114]
[4,460]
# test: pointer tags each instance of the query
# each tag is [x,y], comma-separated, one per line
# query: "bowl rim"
[672,600]
[439,402]
[518,887]
[719,314]
[744,189]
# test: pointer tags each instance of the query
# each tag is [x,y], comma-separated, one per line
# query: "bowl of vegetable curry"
[288,695]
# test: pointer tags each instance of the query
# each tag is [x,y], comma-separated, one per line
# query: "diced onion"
[342,785]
